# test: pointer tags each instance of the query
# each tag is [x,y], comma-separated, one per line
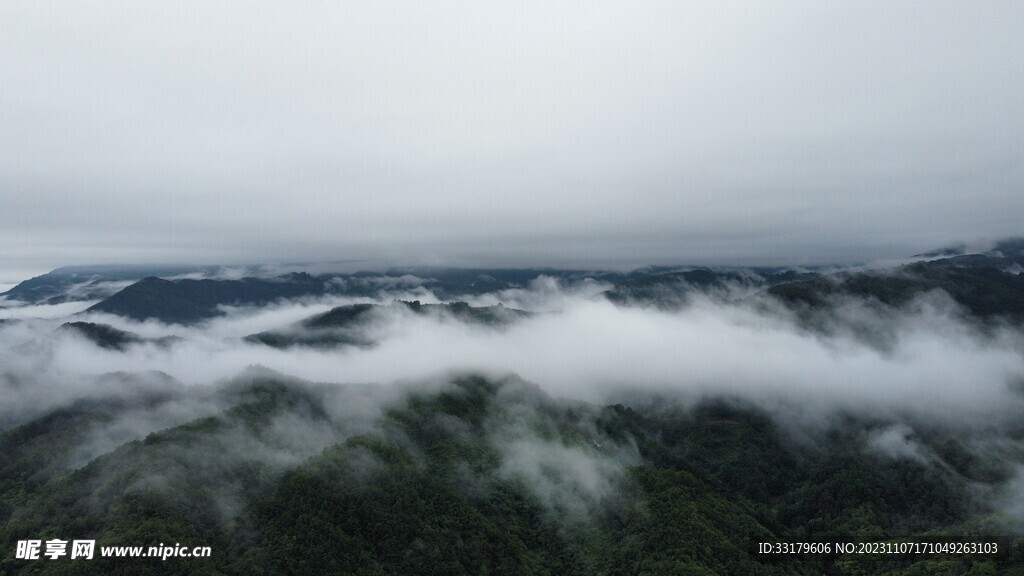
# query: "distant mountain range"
[988,284]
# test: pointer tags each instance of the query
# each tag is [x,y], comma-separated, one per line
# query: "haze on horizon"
[511,133]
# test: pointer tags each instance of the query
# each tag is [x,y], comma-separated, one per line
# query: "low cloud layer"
[923,359]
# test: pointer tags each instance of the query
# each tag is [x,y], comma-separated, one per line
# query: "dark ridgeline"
[189,301]
[106,336]
[73,283]
[988,284]
[346,325]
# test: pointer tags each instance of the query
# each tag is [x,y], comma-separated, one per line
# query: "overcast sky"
[546,133]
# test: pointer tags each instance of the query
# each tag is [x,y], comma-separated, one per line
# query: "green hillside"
[478,476]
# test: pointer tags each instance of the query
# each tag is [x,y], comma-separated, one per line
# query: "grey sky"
[544,133]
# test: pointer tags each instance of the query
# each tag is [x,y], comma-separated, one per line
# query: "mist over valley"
[546,420]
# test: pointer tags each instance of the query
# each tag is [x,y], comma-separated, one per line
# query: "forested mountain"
[984,291]
[186,301]
[474,476]
[346,325]
[106,336]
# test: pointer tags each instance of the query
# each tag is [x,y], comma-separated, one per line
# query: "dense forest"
[477,476]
